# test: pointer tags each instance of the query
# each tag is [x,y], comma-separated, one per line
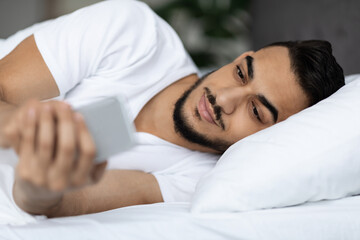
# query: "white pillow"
[313,155]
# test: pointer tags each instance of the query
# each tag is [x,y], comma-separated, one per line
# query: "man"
[122,47]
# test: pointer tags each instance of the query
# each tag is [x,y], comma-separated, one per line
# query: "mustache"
[217,108]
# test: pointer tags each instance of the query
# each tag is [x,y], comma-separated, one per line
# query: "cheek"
[242,125]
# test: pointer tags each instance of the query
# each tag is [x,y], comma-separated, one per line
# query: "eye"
[240,74]
[256,112]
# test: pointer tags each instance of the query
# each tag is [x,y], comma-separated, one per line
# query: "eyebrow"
[249,63]
[262,98]
[269,106]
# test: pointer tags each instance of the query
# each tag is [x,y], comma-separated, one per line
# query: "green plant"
[205,26]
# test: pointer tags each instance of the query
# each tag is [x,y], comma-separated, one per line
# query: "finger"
[45,144]
[28,138]
[20,117]
[28,132]
[86,154]
[65,145]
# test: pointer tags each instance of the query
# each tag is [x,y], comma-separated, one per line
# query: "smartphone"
[109,125]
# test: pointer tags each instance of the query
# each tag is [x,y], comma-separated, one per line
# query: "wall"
[337,21]
[61,7]
[18,14]
[214,31]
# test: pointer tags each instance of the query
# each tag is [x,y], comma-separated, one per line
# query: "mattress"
[337,219]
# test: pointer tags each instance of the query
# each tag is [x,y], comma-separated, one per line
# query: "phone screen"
[109,125]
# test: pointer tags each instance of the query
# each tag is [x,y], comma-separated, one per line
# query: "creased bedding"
[9,212]
[338,219]
[325,220]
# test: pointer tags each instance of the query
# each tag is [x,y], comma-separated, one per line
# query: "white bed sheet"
[336,220]
[326,220]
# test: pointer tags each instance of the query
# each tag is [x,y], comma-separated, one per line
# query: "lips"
[205,111]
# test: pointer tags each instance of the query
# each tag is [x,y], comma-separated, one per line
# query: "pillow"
[312,156]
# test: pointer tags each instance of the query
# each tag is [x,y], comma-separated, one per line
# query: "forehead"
[277,81]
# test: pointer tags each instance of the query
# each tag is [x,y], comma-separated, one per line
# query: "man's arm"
[117,188]
[23,75]
[49,183]
[56,174]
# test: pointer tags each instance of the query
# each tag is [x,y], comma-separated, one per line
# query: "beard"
[183,126]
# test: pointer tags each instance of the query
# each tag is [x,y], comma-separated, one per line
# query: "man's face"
[255,91]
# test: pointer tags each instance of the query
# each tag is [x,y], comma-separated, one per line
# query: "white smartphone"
[109,125]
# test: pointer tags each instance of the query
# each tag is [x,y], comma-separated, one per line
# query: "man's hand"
[55,152]
[46,180]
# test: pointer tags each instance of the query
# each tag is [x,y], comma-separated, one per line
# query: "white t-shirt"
[122,47]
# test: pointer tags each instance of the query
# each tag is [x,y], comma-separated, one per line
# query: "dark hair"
[315,67]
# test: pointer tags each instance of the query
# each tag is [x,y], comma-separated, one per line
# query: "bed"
[336,219]
[324,220]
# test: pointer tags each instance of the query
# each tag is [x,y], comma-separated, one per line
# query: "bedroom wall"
[277,20]
[18,14]
[213,31]
[337,21]
[61,7]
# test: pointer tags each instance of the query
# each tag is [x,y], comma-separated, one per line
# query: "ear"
[242,56]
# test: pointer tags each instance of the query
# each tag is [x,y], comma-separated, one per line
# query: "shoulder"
[129,20]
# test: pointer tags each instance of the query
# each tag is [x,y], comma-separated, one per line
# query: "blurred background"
[217,31]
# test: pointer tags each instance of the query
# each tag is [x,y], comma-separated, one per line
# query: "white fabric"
[110,48]
[173,221]
[315,221]
[9,211]
[176,169]
[121,47]
[311,156]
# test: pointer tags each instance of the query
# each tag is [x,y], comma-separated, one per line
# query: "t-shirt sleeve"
[177,183]
[110,34]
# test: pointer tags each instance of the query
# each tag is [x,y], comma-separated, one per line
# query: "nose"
[230,98]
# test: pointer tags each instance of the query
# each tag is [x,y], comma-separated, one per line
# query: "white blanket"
[9,212]
[338,219]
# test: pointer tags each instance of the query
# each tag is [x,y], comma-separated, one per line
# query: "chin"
[190,128]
